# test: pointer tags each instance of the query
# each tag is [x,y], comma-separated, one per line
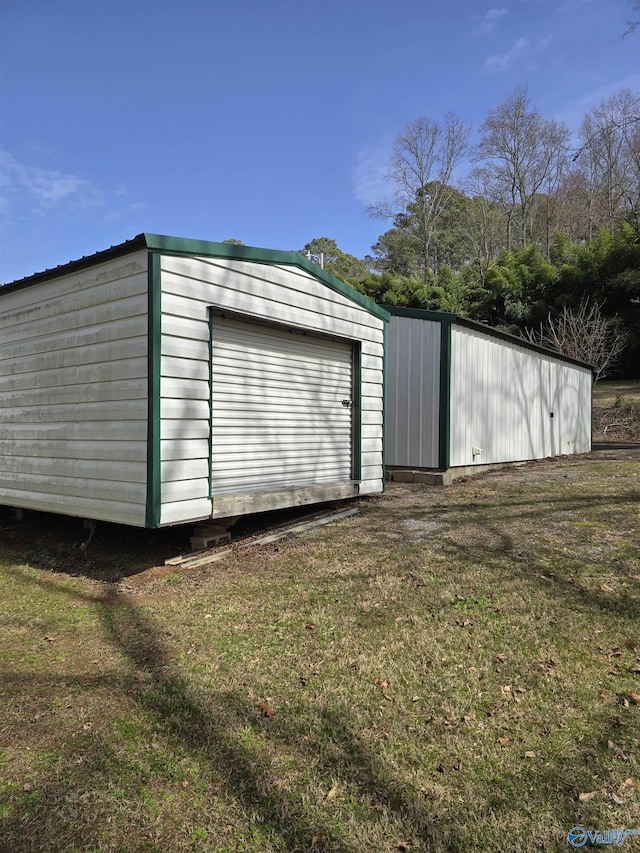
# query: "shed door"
[281,408]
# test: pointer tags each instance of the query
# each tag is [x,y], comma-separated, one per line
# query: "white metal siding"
[502,397]
[73,393]
[413,372]
[277,414]
[283,294]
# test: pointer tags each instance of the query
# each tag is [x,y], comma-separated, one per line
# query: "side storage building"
[166,381]
[460,393]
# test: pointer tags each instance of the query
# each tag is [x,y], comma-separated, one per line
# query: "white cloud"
[488,21]
[368,179]
[505,61]
[522,53]
[42,189]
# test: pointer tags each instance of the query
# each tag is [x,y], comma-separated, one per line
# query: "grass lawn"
[453,669]
[612,392]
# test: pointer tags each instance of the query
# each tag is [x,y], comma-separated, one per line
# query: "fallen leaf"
[266,710]
[611,744]
[382,683]
[27,786]
[87,727]
[635,668]
[634,698]
[500,657]
[617,799]
[332,792]
[631,644]
[529,755]
[51,639]
[628,783]
[506,689]
[504,740]
[586,798]
[185,783]
[388,698]
[316,839]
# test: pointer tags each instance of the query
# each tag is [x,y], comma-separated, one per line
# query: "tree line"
[538,224]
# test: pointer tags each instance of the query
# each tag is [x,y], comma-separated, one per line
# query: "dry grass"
[449,671]
[609,392]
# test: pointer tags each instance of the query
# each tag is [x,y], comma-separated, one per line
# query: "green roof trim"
[203,248]
[235,252]
[476,326]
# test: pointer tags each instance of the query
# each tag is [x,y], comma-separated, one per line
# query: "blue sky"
[265,120]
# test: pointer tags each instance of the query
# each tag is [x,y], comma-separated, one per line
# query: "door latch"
[348,404]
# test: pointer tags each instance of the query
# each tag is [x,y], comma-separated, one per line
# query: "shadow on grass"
[97,801]
[549,569]
[210,728]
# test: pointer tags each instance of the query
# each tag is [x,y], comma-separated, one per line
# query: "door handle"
[348,404]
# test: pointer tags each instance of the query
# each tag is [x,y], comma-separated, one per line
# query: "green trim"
[203,248]
[421,314]
[210,471]
[153,394]
[444,437]
[474,325]
[384,405]
[356,412]
[234,252]
[126,248]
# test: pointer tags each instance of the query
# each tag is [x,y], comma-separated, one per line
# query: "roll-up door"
[281,408]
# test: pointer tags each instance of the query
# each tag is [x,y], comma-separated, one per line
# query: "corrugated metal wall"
[73,393]
[413,389]
[282,294]
[503,397]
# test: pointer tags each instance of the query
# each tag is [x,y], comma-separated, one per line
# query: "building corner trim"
[154,317]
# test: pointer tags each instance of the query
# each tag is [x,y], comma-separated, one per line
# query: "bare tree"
[634,23]
[524,154]
[583,334]
[609,157]
[423,160]
[481,227]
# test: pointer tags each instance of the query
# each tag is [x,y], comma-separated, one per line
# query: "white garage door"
[281,408]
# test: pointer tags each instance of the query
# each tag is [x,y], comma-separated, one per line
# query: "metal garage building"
[460,394]
[166,380]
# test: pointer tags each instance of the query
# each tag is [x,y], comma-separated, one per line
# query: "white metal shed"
[461,394]
[166,380]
